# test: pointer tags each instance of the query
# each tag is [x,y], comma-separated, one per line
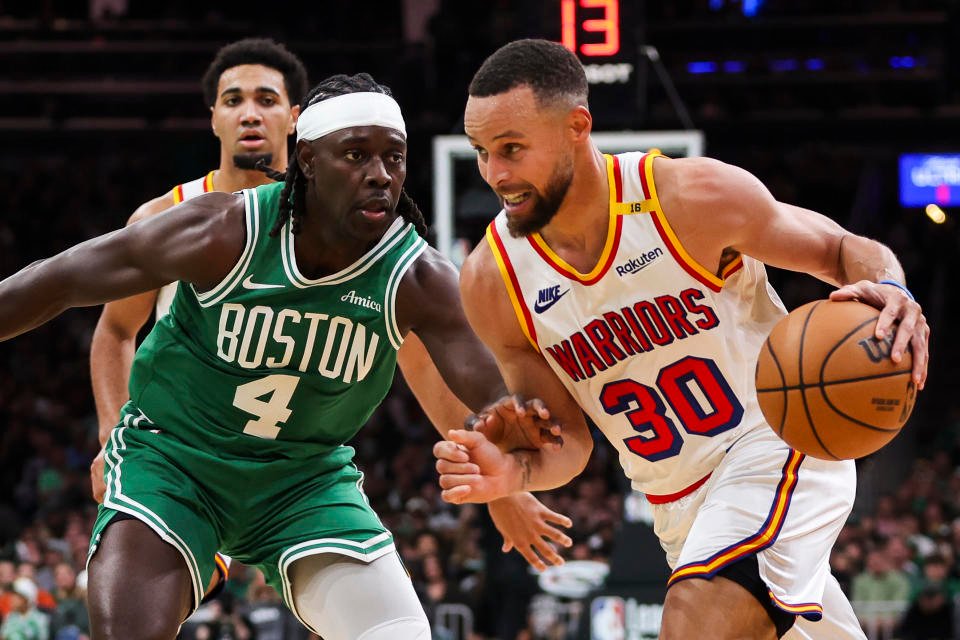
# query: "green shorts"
[263,513]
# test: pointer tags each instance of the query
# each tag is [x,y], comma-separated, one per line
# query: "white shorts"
[765,499]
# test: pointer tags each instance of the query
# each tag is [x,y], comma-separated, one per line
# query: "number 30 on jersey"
[715,411]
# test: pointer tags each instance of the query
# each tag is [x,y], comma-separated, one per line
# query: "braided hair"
[293,197]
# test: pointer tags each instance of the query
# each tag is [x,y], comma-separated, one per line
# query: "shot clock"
[603,35]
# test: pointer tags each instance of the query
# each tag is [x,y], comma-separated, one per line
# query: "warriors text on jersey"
[269,363]
[659,351]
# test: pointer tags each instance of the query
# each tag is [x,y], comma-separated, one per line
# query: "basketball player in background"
[253,88]
[632,287]
[280,342]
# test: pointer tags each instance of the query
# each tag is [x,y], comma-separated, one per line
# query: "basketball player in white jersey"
[633,288]
[253,88]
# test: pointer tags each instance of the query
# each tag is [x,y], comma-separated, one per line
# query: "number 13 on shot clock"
[593,30]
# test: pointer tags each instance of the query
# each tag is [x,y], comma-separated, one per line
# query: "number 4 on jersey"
[270,413]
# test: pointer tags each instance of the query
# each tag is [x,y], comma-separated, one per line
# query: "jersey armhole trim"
[667,234]
[225,286]
[409,256]
[512,284]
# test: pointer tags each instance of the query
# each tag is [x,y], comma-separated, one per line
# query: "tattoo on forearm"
[524,459]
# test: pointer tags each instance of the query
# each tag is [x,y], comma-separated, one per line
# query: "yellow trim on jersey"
[208,182]
[762,539]
[657,211]
[611,232]
[799,609]
[731,266]
[508,281]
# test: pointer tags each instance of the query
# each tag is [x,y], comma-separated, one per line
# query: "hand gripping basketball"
[828,386]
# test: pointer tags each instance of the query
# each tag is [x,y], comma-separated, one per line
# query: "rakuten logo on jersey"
[640,262]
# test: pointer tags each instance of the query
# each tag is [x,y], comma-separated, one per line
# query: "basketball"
[828,387]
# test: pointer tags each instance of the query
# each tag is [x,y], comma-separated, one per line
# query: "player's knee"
[694,605]
[683,603]
[409,628]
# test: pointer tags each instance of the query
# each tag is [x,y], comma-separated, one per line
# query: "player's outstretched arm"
[197,241]
[115,339]
[745,216]
[525,371]
[450,370]
[525,523]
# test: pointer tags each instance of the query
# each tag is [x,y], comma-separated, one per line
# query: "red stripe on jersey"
[518,292]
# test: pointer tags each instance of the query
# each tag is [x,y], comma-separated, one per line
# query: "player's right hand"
[99,487]
[896,308]
[528,526]
[515,423]
[473,469]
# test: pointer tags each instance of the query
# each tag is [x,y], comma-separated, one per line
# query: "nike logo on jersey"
[642,261]
[248,283]
[548,297]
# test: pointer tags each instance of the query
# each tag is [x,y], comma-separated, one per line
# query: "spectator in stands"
[70,618]
[936,575]
[43,599]
[8,573]
[885,520]
[882,583]
[24,622]
[842,570]
[266,615]
[901,557]
[930,617]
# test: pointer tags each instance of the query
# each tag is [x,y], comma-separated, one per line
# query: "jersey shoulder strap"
[193,188]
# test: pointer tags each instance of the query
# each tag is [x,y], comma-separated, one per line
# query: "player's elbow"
[578,450]
[111,330]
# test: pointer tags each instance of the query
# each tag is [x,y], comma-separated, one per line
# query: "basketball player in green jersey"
[281,340]
[253,88]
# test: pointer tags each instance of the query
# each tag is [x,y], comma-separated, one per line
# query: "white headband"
[349,110]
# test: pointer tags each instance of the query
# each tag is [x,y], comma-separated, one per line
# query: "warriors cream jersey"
[658,350]
[180,193]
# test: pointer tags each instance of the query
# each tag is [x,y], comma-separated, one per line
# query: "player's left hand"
[515,423]
[528,526]
[473,469]
[99,487]
[896,309]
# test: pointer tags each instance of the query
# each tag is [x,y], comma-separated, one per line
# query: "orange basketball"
[828,387]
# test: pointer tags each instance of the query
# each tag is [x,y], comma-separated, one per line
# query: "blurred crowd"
[898,558]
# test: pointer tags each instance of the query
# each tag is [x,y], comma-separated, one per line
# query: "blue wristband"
[898,285]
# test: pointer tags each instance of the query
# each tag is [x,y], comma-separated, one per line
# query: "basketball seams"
[843,388]
[861,423]
[821,385]
[823,391]
[840,343]
[803,392]
[783,387]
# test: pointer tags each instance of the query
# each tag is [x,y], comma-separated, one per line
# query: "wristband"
[898,285]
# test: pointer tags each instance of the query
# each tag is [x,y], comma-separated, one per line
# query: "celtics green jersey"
[270,363]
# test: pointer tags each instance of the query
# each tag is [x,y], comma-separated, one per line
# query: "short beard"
[249,161]
[546,205]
